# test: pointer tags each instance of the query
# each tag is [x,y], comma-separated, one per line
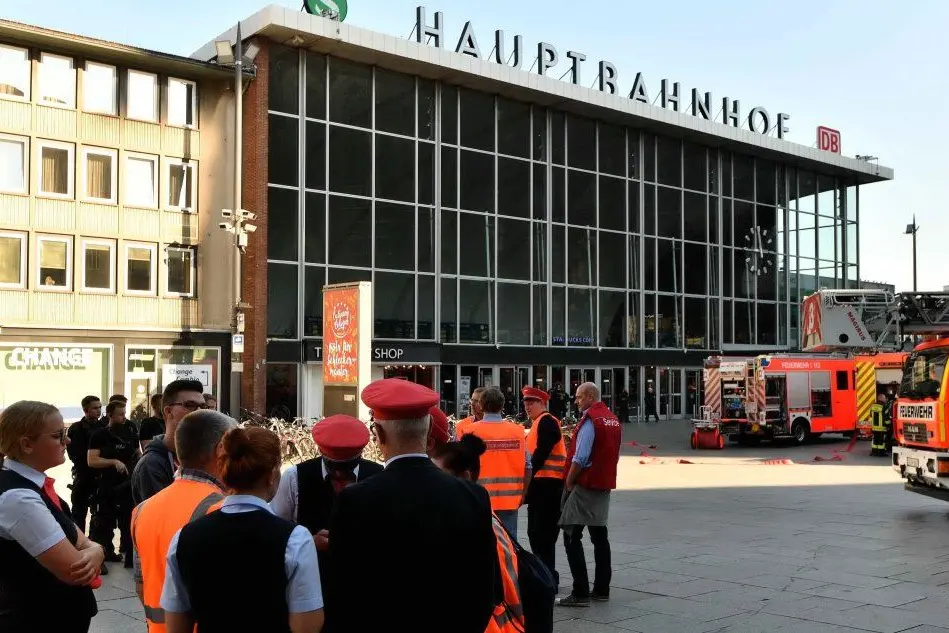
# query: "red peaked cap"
[535,394]
[395,399]
[340,437]
[439,428]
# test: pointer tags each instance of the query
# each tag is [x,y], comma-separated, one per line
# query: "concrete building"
[520,229]
[114,164]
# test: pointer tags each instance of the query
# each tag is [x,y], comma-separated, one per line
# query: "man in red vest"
[593,458]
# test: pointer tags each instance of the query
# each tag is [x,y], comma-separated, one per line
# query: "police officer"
[113,452]
[83,478]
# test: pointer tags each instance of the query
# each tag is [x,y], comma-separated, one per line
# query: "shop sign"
[49,358]
[671,95]
[341,335]
[202,373]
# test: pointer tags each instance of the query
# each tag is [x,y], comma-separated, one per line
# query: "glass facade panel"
[426,307]
[395,168]
[315,155]
[581,143]
[315,85]
[514,314]
[350,93]
[612,248]
[669,212]
[475,311]
[514,125]
[283,150]
[540,315]
[350,232]
[514,187]
[315,278]
[581,256]
[612,203]
[395,102]
[393,305]
[477,181]
[514,249]
[395,236]
[449,313]
[669,157]
[283,79]
[612,149]
[282,205]
[351,161]
[581,311]
[282,300]
[695,323]
[477,235]
[477,119]
[425,246]
[613,331]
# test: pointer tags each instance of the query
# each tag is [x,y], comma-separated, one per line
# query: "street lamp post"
[236,219]
[912,229]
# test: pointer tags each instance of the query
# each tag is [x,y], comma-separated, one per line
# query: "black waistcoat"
[227,555]
[31,597]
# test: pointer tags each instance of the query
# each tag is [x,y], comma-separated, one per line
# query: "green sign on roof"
[337,8]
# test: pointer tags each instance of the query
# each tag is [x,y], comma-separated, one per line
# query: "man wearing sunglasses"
[155,471]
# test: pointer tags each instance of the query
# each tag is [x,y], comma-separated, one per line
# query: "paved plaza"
[731,543]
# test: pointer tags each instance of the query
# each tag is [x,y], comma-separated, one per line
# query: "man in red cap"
[402,519]
[548,459]
[308,491]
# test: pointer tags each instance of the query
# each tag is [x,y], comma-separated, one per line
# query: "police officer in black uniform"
[113,452]
[83,478]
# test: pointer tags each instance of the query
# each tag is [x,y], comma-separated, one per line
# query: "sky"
[870,68]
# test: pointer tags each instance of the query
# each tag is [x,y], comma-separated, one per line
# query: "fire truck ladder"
[889,318]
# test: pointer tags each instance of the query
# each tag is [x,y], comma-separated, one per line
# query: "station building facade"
[112,159]
[518,230]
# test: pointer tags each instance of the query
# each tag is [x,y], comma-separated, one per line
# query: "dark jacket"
[397,523]
[154,471]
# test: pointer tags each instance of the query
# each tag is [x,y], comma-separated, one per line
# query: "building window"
[13,162]
[142,96]
[99,174]
[182,102]
[14,73]
[55,257]
[140,262]
[98,266]
[141,186]
[12,260]
[181,272]
[180,185]
[57,81]
[56,167]
[98,88]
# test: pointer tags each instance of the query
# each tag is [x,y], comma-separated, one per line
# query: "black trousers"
[543,513]
[82,498]
[603,574]
[114,510]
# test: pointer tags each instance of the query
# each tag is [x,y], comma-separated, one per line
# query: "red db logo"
[828,140]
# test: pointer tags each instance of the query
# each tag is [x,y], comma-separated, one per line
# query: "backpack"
[538,590]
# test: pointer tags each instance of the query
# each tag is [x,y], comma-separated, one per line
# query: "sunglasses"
[190,406]
[59,435]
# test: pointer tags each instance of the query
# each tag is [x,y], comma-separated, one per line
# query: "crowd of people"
[427,540]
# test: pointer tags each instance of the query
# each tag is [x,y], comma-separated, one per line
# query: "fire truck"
[877,375]
[872,321]
[797,396]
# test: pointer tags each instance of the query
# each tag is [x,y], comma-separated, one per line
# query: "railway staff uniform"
[548,458]
[308,491]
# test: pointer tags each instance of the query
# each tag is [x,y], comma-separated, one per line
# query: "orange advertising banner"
[341,336]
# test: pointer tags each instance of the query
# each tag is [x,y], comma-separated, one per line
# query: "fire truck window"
[820,394]
[842,381]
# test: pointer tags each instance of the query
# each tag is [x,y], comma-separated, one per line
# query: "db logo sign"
[828,140]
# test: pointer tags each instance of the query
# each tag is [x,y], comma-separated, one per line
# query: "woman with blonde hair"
[241,546]
[49,566]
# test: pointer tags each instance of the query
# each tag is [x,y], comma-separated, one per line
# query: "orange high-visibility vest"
[503,464]
[555,465]
[462,425]
[154,523]
[509,616]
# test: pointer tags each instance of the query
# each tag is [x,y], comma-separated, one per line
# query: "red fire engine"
[797,396]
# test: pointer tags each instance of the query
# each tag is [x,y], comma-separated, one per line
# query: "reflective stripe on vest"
[179,504]
[555,464]
[509,615]
[503,464]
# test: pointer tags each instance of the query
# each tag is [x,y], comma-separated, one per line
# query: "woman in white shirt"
[49,567]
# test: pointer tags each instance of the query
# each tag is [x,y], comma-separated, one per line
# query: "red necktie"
[50,493]
[341,479]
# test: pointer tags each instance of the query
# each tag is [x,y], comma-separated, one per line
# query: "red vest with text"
[604,458]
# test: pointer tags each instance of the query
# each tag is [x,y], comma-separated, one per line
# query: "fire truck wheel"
[721,442]
[800,430]
[694,441]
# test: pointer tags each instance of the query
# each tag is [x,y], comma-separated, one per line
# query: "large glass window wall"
[483,220]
